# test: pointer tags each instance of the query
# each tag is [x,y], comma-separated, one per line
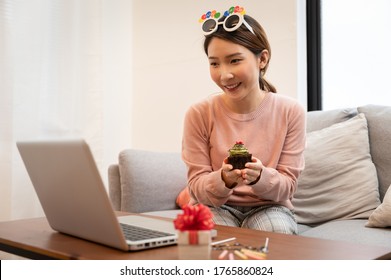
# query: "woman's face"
[234,68]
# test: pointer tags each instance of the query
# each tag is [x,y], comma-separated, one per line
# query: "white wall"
[117,79]
[170,69]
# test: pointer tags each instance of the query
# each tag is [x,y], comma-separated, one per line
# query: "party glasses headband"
[234,19]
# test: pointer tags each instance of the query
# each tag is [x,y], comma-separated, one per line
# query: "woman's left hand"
[252,173]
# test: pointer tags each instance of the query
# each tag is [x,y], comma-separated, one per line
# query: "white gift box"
[194,244]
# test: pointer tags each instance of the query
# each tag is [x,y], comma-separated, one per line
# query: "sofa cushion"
[351,231]
[339,180]
[379,120]
[150,180]
[381,217]
[317,120]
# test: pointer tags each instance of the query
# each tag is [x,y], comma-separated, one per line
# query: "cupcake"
[239,155]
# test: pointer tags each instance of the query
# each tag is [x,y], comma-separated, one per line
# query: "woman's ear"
[263,59]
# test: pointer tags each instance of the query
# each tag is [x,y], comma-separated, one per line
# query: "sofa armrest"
[150,181]
[114,186]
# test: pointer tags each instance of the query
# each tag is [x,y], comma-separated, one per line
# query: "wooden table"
[33,238]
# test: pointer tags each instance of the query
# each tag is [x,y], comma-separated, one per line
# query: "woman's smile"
[232,87]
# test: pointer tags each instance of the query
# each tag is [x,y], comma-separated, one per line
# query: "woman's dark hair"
[245,38]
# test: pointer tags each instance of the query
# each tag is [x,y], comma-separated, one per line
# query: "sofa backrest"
[149,181]
[317,120]
[379,127]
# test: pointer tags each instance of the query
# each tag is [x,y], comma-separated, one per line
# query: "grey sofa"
[347,174]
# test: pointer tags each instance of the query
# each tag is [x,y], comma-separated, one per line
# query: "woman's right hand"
[231,177]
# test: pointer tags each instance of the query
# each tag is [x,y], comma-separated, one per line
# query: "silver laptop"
[75,201]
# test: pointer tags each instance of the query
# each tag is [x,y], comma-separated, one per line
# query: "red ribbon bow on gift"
[194,217]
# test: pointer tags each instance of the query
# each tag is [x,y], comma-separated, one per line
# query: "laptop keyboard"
[135,233]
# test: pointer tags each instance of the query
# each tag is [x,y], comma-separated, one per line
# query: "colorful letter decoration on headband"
[217,15]
[234,19]
[210,14]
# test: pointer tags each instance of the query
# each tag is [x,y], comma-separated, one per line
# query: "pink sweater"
[274,133]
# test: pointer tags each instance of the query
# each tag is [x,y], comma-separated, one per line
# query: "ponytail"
[265,85]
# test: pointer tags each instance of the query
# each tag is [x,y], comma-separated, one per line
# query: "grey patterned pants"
[275,218]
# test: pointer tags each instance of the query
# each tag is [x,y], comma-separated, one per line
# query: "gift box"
[194,244]
[194,232]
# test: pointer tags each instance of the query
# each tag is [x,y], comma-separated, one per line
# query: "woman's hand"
[252,173]
[231,177]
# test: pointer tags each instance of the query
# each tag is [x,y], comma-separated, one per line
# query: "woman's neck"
[246,105]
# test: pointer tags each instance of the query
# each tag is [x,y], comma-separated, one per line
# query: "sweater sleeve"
[205,184]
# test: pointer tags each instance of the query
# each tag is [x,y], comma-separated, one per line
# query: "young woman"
[271,126]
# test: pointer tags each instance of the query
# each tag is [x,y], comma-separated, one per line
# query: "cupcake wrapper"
[239,162]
